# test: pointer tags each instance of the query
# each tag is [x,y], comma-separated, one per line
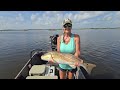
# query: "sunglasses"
[67,25]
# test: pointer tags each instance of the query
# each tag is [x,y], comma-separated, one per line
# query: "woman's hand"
[51,61]
[77,64]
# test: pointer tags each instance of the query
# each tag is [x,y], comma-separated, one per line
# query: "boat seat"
[42,77]
[37,70]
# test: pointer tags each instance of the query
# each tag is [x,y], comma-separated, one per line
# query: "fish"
[66,58]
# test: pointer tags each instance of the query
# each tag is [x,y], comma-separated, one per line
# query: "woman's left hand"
[77,64]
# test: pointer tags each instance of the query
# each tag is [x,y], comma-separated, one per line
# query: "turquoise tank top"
[67,48]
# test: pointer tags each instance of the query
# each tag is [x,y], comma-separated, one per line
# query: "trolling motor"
[54,42]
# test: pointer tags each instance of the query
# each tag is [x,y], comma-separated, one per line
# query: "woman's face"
[67,30]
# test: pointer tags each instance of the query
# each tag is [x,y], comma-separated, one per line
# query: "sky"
[54,19]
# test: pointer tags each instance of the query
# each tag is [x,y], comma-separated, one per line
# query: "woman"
[68,43]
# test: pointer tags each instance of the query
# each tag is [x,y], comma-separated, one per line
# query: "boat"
[36,68]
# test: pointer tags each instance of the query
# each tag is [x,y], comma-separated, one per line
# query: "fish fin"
[73,66]
[88,67]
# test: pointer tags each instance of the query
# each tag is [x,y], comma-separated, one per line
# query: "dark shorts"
[69,70]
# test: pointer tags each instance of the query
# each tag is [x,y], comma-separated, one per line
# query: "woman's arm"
[77,44]
[77,53]
[58,44]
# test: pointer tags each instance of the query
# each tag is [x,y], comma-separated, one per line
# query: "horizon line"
[61,28]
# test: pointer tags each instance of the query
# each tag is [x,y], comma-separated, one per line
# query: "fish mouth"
[41,57]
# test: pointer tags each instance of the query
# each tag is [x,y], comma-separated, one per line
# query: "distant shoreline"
[54,29]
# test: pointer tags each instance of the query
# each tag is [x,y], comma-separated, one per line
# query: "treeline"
[55,29]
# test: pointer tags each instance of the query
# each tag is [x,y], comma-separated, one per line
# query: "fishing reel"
[54,42]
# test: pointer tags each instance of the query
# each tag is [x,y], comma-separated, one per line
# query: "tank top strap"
[72,36]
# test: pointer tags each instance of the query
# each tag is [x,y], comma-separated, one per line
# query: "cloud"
[17,22]
[107,17]
[20,17]
[47,19]
[54,19]
[118,13]
[86,15]
[34,16]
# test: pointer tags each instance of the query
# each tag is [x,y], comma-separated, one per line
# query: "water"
[101,47]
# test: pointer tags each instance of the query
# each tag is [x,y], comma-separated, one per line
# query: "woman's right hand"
[51,61]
